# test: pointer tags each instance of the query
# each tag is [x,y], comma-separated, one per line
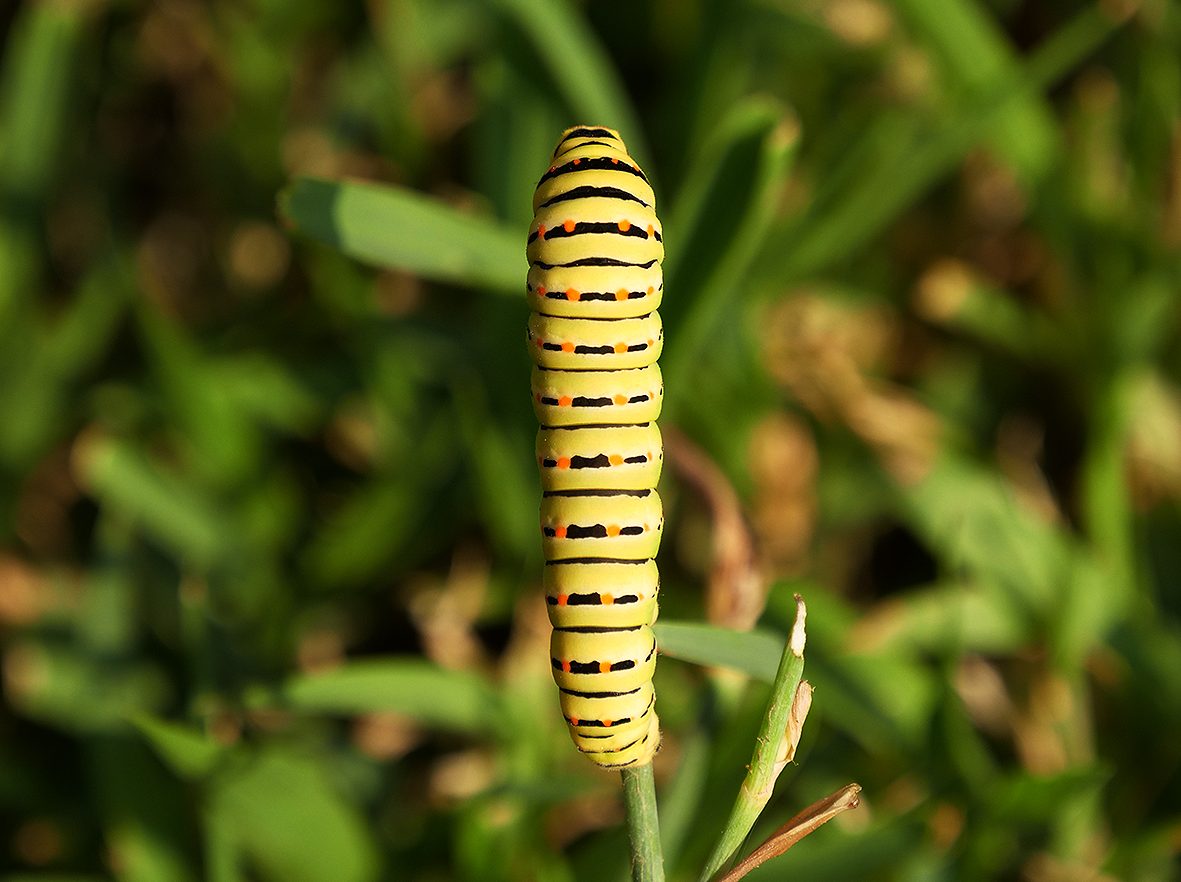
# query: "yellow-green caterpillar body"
[595,249]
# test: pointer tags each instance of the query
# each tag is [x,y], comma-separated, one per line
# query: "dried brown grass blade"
[797,828]
[737,590]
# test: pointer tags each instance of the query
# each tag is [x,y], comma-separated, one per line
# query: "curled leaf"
[800,706]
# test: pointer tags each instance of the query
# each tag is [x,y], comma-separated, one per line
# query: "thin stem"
[643,826]
[221,852]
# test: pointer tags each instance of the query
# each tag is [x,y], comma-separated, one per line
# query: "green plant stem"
[643,826]
[221,852]
[764,766]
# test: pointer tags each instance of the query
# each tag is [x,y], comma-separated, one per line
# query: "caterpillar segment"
[571,398]
[587,457]
[601,593]
[637,291]
[595,249]
[586,344]
[613,524]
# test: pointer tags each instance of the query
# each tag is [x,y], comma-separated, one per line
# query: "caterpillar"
[595,248]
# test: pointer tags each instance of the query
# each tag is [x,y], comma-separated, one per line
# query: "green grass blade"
[293,821]
[393,227]
[84,331]
[459,701]
[765,765]
[187,751]
[945,618]
[682,796]
[34,95]
[165,505]
[144,816]
[974,55]
[222,852]
[224,444]
[715,229]
[580,67]
[36,80]
[753,652]
[888,184]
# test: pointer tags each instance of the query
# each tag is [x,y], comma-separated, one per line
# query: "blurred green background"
[269,602]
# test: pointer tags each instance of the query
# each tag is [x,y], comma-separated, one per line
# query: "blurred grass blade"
[817,814]
[379,522]
[460,701]
[942,618]
[975,55]
[888,183]
[108,623]
[165,506]
[264,390]
[884,701]
[356,541]
[224,443]
[34,94]
[1106,503]
[62,685]
[768,759]
[187,751]
[144,811]
[42,363]
[504,490]
[581,68]
[753,652]
[981,527]
[951,294]
[223,862]
[513,140]
[715,228]
[681,797]
[19,270]
[293,822]
[35,91]
[393,227]
[84,331]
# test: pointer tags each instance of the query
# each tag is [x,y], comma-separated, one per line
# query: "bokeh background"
[269,602]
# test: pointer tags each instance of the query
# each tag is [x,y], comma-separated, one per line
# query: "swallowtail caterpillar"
[594,285]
